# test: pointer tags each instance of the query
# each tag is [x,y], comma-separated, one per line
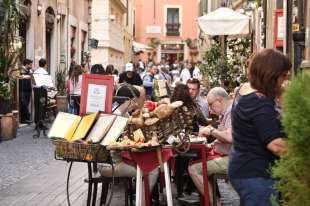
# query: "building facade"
[111,28]
[57,30]
[169,27]
[284,25]
[128,32]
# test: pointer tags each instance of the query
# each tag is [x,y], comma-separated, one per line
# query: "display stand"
[92,181]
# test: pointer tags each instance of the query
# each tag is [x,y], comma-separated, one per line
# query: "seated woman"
[122,168]
[181,92]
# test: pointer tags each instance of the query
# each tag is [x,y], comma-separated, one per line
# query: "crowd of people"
[245,141]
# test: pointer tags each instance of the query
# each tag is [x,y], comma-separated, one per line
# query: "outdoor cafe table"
[201,149]
[147,161]
[203,156]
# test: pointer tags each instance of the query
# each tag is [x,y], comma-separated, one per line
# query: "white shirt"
[197,74]
[40,70]
[185,75]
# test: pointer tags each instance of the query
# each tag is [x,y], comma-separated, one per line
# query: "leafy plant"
[227,71]
[293,169]
[61,82]
[9,52]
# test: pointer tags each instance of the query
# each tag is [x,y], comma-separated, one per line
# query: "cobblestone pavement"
[21,156]
[24,157]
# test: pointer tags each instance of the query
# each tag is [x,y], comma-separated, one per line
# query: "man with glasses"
[219,104]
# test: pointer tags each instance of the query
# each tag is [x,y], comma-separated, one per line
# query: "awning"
[224,21]
[140,47]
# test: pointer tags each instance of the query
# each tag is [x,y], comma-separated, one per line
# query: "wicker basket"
[180,121]
[80,151]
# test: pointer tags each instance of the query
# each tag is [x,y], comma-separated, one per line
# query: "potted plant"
[61,97]
[11,17]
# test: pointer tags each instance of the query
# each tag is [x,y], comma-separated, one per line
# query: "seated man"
[219,104]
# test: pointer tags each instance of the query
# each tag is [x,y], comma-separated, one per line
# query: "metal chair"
[215,189]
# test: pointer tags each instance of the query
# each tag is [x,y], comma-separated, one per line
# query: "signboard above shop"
[153,29]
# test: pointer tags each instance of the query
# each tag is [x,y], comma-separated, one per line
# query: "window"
[173,24]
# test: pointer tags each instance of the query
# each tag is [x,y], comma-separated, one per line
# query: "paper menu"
[96,97]
[64,125]
[115,131]
[84,126]
[43,80]
[101,128]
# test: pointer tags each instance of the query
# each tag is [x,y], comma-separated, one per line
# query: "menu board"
[96,93]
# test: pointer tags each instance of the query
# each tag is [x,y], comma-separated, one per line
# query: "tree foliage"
[293,169]
[230,70]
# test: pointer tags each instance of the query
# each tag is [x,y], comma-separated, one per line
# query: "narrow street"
[29,176]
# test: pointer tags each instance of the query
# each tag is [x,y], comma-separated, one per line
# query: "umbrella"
[224,21]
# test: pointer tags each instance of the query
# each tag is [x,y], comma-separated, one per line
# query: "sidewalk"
[30,176]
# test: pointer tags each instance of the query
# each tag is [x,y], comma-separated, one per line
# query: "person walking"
[130,76]
[148,81]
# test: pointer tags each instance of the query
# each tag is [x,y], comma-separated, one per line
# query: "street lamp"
[39,8]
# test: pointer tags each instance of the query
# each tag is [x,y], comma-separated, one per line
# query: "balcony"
[173,29]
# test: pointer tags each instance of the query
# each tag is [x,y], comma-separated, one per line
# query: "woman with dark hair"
[258,138]
[74,90]
[97,69]
[181,93]
[109,69]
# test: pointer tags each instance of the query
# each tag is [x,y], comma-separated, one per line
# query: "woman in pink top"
[75,84]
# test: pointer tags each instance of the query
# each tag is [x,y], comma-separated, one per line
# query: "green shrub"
[61,82]
[230,70]
[293,169]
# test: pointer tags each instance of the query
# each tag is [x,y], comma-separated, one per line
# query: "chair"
[215,189]
[106,181]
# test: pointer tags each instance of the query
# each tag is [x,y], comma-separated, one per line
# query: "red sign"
[279,28]
[96,93]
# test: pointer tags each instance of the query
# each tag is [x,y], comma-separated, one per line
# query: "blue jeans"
[256,191]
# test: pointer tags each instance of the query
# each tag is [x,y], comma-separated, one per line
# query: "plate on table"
[197,140]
